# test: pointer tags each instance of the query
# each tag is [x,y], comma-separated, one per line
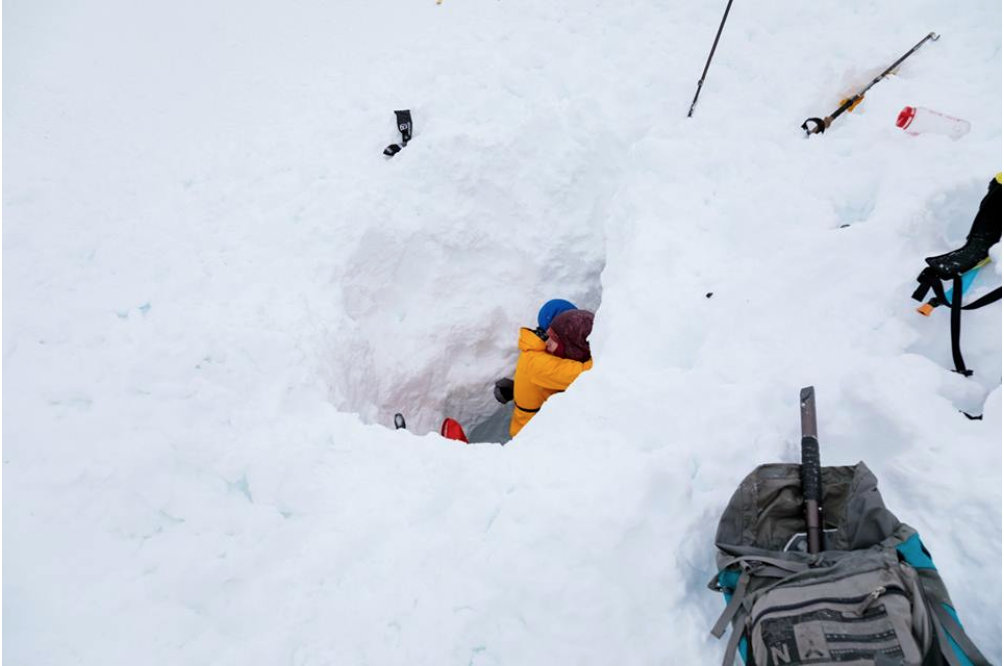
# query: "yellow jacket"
[539,375]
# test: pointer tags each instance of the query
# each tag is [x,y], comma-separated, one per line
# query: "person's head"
[568,335]
[550,310]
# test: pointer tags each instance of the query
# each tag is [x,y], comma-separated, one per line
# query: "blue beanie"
[552,309]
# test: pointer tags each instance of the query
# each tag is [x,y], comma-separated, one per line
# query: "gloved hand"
[503,390]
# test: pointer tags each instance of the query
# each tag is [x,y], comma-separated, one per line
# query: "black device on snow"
[404,125]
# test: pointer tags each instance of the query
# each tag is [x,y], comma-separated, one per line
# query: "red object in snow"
[905,117]
[916,120]
[453,430]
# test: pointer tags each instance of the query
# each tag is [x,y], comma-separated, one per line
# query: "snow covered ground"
[218,291]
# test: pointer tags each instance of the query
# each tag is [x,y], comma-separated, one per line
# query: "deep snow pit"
[436,324]
[435,292]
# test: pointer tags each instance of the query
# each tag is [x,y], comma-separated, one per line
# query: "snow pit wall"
[476,230]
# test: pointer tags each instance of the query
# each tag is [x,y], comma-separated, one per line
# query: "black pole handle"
[811,484]
[818,126]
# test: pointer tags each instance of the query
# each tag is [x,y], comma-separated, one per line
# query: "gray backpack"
[872,596]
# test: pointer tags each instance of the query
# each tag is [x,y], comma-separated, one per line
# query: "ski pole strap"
[404,125]
[960,364]
[942,299]
[985,299]
[929,281]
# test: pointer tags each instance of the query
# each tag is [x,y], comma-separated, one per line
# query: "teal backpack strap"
[945,646]
[953,642]
[959,645]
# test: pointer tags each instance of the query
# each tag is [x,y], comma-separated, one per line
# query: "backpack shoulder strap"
[954,644]
[729,658]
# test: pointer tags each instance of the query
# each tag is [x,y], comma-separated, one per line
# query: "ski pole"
[820,124]
[708,63]
[810,471]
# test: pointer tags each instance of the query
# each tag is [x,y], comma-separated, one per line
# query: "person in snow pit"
[551,358]
[548,311]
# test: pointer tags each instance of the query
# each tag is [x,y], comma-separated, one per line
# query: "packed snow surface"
[217,292]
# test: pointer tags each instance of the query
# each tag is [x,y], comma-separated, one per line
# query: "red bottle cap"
[905,117]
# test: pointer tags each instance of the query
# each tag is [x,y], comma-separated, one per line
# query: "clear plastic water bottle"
[916,120]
